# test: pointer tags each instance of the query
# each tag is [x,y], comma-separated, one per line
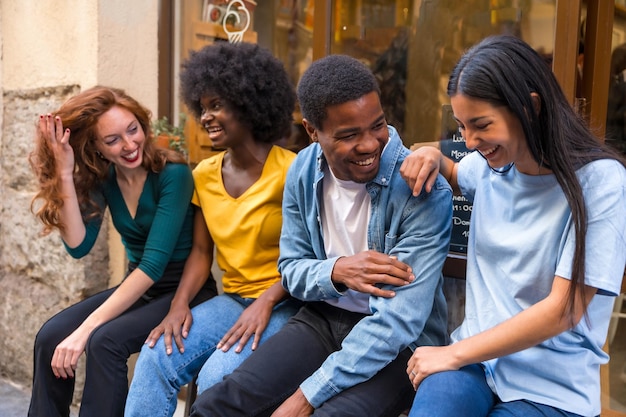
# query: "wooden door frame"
[165,33]
[597,42]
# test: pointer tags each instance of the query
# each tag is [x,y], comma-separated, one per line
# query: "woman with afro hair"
[243,98]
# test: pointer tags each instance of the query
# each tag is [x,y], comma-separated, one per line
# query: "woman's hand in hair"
[57,138]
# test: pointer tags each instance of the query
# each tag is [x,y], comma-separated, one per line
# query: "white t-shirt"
[345,216]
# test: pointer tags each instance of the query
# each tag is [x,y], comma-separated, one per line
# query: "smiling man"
[362,251]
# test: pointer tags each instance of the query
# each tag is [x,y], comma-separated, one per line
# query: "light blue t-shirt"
[521,236]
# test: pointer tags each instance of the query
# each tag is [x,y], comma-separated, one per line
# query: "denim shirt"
[414,229]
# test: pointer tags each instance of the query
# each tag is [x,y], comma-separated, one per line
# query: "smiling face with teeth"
[120,138]
[353,137]
[222,124]
[495,132]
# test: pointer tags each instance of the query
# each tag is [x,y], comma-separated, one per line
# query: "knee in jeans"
[206,379]
[148,355]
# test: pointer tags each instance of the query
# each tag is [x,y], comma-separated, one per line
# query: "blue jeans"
[280,365]
[158,377]
[465,393]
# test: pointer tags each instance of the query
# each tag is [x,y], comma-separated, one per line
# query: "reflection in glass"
[293,36]
[616,107]
[411,46]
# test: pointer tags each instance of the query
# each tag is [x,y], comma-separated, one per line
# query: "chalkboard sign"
[453,146]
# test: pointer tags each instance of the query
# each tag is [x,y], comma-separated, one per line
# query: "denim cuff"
[325,283]
[317,389]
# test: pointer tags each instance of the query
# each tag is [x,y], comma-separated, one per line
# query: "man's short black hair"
[334,79]
[248,77]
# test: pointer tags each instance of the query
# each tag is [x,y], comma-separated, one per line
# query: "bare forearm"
[540,322]
[70,215]
[131,289]
[197,270]
[274,294]
[448,169]
[520,332]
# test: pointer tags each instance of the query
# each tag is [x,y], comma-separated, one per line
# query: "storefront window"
[616,108]
[293,35]
[411,46]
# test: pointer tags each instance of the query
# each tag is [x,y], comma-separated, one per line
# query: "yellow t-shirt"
[245,230]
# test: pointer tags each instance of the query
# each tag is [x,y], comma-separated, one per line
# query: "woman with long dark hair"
[546,249]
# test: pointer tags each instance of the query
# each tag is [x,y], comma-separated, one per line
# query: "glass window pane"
[616,108]
[411,45]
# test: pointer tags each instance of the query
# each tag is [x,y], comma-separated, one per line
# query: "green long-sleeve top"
[162,228]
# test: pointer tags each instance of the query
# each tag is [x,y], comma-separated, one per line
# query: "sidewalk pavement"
[14,401]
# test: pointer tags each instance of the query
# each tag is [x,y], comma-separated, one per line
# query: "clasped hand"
[427,360]
[367,270]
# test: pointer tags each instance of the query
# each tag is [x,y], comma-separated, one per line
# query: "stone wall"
[111,42]
[37,277]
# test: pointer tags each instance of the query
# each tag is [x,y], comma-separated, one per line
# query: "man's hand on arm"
[295,406]
[366,270]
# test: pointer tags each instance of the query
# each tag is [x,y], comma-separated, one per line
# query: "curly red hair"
[80,114]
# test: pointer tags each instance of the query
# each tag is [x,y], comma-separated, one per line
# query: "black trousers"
[107,350]
[276,369]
